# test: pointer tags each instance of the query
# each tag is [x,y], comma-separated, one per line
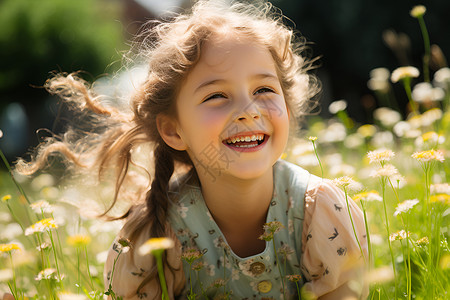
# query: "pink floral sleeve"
[331,255]
[131,277]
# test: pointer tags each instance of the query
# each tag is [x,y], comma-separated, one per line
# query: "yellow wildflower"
[380,155]
[398,236]
[347,183]
[423,241]
[418,11]
[9,247]
[78,240]
[367,130]
[404,72]
[294,278]
[445,262]
[428,155]
[6,198]
[367,196]
[444,198]
[155,244]
[430,135]
[312,138]
[41,226]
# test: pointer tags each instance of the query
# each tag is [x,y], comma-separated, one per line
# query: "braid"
[157,199]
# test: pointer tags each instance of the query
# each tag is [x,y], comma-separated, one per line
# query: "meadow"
[396,168]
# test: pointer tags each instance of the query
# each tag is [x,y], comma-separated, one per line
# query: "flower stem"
[14,286]
[369,245]
[407,85]
[56,257]
[8,166]
[110,291]
[353,226]
[408,249]
[78,269]
[279,268]
[162,279]
[298,291]
[383,187]
[318,159]
[426,43]
[14,216]
[88,269]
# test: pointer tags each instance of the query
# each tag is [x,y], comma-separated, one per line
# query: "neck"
[239,207]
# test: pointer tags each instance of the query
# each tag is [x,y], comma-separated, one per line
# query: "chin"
[248,171]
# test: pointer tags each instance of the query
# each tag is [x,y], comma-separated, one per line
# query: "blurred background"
[352,37]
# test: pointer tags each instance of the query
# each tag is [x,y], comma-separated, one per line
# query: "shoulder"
[324,191]
[290,177]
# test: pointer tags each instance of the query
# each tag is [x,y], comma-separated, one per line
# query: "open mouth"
[246,141]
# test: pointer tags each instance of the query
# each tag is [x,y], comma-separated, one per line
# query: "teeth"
[252,138]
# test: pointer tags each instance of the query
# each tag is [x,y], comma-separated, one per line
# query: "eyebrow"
[217,81]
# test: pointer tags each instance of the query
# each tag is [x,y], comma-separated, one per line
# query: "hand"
[7,296]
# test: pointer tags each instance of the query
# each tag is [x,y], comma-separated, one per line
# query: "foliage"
[37,37]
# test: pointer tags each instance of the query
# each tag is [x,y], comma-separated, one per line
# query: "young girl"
[225,89]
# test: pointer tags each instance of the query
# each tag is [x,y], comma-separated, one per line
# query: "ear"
[168,130]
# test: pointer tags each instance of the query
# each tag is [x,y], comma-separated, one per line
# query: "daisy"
[155,244]
[41,226]
[9,247]
[429,155]
[405,206]
[367,196]
[440,188]
[347,183]
[380,155]
[398,236]
[41,206]
[404,72]
[386,171]
[418,11]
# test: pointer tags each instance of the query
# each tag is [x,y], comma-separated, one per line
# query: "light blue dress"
[221,272]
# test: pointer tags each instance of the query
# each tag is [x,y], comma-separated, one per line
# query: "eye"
[263,90]
[214,96]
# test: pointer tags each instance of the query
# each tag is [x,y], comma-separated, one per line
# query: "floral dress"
[314,239]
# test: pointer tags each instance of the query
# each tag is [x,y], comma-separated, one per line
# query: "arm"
[7,296]
[332,261]
[342,292]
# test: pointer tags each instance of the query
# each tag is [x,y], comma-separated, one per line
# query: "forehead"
[225,47]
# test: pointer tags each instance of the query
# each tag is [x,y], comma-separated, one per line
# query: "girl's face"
[232,115]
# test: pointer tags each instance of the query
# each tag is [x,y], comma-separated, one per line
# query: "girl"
[225,87]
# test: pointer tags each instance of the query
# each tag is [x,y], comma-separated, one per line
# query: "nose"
[249,110]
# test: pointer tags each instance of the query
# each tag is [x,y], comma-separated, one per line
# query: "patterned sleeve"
[331,256]
[131,279]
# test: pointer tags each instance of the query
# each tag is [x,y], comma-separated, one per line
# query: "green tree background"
[38,37]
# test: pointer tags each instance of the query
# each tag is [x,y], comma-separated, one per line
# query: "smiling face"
[232,116]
